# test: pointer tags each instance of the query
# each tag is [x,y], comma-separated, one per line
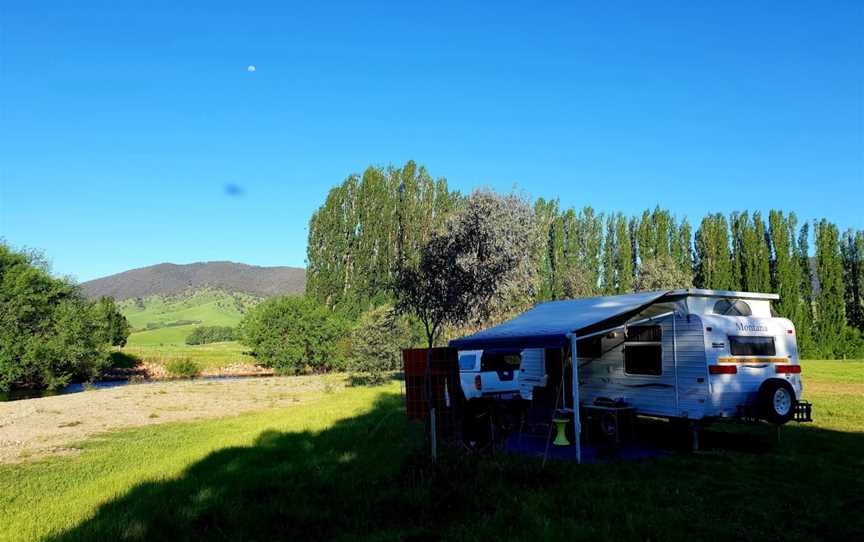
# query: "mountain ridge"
[171,279]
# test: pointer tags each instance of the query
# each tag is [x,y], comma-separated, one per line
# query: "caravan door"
[532,372]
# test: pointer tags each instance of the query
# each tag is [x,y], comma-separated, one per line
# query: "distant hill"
[168,279]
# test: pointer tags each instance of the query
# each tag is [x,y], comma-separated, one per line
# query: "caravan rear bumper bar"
[803,412]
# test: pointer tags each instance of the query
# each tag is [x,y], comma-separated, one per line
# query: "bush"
[377,343]
[293,335]
[183,368]
[49,333]
[210,334]
[852,346]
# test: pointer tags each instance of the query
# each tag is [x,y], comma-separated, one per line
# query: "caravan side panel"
[653,395]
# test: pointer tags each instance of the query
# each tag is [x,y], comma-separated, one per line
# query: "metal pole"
[434,435]
[577,428]
[675,361]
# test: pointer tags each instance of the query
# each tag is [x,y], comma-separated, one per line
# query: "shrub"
[377,343]
[183,368]
[293,335]
[210,334]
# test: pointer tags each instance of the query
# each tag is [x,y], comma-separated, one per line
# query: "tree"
[294,334]
[786,274]
[802,255]
[713,265]
[377,342]
[610,247]
[830,306]
[49,333]
[623,256]
[683,249]
[852,249]
[115,328]
[366,224]
[211,334]
[662,273]
[473,270]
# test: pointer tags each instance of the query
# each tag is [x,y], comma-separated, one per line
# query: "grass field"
[346,465]
[203,307]
[208,356]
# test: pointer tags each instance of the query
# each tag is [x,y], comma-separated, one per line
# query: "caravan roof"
[548,325]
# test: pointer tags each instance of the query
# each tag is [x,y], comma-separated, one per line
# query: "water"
[19,394]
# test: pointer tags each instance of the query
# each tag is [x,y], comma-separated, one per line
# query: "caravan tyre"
[776,401]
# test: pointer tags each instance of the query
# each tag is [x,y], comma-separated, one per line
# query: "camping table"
[620,413]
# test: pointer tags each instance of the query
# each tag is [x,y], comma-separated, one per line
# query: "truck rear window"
[752,346]
[467,362]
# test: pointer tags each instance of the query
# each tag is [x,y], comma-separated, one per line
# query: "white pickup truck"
[490,374]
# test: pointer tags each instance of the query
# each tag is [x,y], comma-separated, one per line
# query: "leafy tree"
[364,226]
[682,251]
[49,333]
[750,253]
[852,249]
[623,256]
[473,270]
[713,265]
[609,249]
[662,273]
[211,334]
[806,342]
[377,342]
[115,328]
[545,217]
[786,273]
[830,306]
[294,334]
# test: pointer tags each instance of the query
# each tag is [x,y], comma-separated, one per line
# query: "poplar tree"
[802,255]
[610,247]
[852,249]
[684,249]
[786,273]
[545,215]
[713,265]
[830,306]
[624,256]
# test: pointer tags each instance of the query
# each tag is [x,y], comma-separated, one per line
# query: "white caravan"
[688,353]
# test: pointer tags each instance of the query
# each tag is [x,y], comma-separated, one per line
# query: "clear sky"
[131,136]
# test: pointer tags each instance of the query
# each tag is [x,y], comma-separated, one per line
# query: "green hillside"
[157,320]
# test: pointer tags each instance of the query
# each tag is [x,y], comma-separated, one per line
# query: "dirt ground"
[34,428]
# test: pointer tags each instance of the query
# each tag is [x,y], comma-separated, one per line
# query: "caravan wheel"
[777,401]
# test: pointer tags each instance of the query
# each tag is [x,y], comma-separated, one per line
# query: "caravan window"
[752,346]
[732,307]
[643,352]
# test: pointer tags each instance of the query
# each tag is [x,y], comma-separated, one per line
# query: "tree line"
[374,224]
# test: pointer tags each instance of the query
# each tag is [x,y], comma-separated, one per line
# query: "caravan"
[691,354]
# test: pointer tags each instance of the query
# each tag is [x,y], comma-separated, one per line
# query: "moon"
[251,68]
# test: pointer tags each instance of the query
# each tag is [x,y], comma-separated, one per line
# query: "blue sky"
[121,126]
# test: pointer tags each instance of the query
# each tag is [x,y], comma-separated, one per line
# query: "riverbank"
[36,428]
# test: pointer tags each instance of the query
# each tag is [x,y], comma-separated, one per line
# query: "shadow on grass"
[367,478]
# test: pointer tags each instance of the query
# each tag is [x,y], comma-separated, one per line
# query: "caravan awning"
[547,325]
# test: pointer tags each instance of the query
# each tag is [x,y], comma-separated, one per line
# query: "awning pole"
[577,428]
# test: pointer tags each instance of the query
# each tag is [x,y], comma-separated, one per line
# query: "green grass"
[347,466]
[207,307]
[208,356]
